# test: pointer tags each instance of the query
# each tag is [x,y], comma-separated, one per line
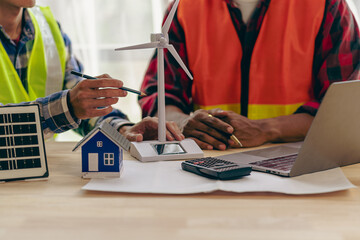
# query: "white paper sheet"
[169,178]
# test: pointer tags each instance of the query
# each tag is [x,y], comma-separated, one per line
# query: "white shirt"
[246,7]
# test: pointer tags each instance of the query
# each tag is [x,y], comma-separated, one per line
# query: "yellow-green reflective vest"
[46,66]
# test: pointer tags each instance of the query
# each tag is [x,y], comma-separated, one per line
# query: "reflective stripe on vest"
[54,67]
[281,63]
[46,64]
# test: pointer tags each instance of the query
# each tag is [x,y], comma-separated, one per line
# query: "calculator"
[216,168]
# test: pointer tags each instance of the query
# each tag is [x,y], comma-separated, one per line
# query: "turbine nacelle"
[159,38]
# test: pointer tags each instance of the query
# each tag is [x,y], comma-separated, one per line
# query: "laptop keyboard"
[283,163]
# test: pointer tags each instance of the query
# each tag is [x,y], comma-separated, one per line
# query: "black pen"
[122,88]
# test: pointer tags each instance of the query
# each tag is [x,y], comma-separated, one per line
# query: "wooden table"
[58,209]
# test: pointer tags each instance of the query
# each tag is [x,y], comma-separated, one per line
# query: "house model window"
[99,143]
[108,159]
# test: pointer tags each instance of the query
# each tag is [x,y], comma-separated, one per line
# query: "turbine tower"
[161,41]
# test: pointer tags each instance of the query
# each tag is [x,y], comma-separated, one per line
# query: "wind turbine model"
[162,150]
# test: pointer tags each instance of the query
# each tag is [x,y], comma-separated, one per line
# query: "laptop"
[333,139]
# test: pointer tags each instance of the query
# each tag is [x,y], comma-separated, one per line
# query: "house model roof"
[110,132]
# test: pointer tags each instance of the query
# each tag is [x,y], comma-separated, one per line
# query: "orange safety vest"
[280,77]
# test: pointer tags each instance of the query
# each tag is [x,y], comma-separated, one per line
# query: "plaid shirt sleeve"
[54,113]
[56,116]
[337,57]
[177,84]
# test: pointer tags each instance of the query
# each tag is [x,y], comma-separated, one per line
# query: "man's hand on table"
[147,129]
[208,132]
[249,132]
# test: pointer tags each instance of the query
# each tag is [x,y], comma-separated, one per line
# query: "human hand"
[207,131]
[249,132]
[147,129]
[94,97]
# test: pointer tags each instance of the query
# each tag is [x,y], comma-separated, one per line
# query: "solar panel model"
[22,148]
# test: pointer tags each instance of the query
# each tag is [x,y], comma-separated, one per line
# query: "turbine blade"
[178,59]
[140,46]
[166,26]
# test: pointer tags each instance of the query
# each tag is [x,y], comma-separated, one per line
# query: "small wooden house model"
[102,152]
